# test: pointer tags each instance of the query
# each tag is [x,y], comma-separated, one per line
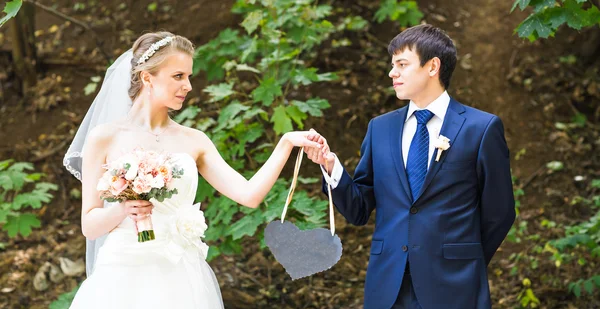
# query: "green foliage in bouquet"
[20,191]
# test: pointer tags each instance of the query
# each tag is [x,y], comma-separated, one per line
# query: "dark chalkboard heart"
[302,253]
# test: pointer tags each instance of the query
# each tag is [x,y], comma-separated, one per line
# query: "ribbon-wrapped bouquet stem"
[140,175]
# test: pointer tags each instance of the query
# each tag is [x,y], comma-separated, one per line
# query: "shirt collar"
[438,107]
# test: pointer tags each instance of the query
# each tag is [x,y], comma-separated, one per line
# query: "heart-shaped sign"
[302,253]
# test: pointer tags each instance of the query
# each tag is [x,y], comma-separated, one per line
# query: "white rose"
[189,225]
[133,162]
[158,182]
[104,182]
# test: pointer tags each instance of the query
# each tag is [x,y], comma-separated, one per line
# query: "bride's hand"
[303,139]
[137,209]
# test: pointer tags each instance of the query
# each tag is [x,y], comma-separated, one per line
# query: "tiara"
[153,48]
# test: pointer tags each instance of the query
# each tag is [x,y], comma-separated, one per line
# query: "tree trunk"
[24,52]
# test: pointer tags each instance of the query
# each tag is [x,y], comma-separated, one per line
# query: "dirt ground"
[488,76]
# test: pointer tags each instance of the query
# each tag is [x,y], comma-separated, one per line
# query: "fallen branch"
[50,152]
[50,10]
[532,176]
[79,64]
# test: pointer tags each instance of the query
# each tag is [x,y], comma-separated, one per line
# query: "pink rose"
[141,184]
[117,185]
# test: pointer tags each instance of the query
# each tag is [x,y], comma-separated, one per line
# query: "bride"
[131,111]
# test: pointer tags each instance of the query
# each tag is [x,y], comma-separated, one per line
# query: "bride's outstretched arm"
[95,219]
[251,192]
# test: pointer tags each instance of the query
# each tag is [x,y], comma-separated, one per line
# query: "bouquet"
[139,175]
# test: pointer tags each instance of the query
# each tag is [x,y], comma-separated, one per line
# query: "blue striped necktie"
[418,153]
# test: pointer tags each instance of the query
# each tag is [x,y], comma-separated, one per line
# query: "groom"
[443,209]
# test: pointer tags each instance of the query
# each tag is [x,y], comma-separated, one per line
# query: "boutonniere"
[441,143]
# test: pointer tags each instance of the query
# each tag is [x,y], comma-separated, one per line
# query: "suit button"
[413,210]
[404,248]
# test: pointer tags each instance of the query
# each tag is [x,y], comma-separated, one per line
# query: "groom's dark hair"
[428,42]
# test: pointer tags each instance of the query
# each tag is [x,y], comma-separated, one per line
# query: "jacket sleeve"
[354,198]
[497,201]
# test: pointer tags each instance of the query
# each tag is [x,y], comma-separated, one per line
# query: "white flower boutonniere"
[441,143]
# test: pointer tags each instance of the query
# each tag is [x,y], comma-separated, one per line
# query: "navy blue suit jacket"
[451,230]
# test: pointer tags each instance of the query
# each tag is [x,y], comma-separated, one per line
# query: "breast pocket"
[458,165]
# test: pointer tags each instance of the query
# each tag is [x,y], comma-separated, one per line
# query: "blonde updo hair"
[152,65]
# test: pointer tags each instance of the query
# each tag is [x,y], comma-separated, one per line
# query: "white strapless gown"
[156,274]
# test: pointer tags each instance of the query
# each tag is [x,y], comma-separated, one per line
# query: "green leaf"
[221,210]
[214,232]
[541,5]
[64,300]
[384,10]
[244,67]
[521,3]
[4,164]
[577,290]
[323,11]
[588,285]
[229,113]
[4,212]
[356,23]
[575,15]
[326,77]
[230,247]
[412,16]
[245,226]
[21,224]
[267,91]
[593,16]
[252,21]
[297,115]
[580,119]
[533,24]
[252,133]
[189,112]
[313,106]
[90,88]
[555,165]
[11,9]
[305,76]
[249,50]
[281,120]
[253,112]
[33,199]
[204,124]
[152,7]
[21,166]
[213,252]
[219,92]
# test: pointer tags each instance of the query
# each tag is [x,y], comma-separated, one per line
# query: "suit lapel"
[453,122]
[396,128]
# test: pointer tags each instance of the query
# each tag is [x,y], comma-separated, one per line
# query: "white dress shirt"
[438,107]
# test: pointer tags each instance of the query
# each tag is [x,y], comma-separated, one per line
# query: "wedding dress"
[160,273]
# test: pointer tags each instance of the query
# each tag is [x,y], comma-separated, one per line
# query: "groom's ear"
[434,65]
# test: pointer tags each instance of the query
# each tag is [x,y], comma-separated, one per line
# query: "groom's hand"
[321,156]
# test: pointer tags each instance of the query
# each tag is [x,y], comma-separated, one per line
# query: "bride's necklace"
[156,135]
